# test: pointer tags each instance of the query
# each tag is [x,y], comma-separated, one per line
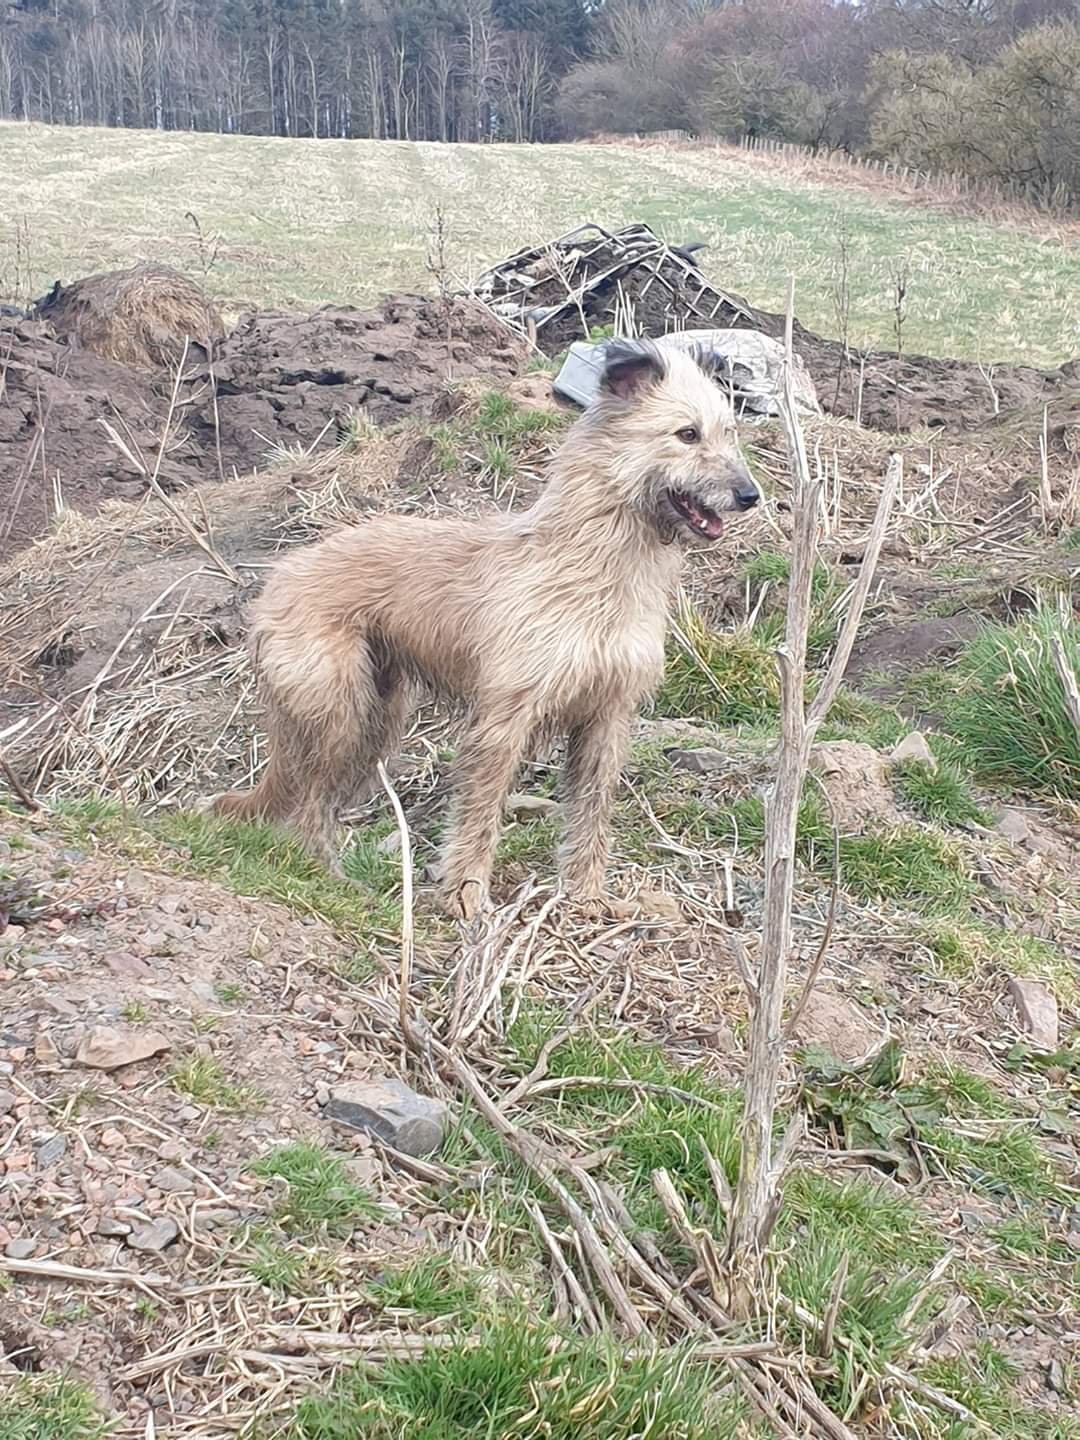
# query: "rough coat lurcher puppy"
[550,621]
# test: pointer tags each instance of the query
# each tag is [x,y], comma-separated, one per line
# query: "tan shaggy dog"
[546,622]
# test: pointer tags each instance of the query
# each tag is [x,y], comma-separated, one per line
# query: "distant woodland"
[987,88]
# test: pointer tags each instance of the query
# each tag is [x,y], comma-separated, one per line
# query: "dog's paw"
[644,905]
[466,901]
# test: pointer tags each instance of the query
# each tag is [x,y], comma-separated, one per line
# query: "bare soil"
[77,429]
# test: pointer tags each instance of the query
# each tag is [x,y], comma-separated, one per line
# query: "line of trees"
[989,88]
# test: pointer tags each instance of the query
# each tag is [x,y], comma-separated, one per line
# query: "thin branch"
[407,929]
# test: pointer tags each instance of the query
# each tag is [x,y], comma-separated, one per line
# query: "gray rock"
[111,1228]
[838,1025]
[20,1249]
[1038,1011]
[702,761]
[174,1181]
[530,807]
[154,1236]
[52,1150]
[913,746]
[1014,826]
[107,1047]
[219,1218]
[389,1110]
[8,1101]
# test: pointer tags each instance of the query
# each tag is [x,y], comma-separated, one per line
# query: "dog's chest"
[611,638]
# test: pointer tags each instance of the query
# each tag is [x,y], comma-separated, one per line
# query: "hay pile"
[143,316]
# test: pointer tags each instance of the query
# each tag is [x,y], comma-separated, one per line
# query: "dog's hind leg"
[334,707]
[487,765]
[595,752]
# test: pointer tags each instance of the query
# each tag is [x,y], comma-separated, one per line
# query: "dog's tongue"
[707,521]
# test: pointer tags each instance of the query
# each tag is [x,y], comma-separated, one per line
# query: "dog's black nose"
[746,494]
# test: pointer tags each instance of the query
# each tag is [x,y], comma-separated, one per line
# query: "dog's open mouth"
[698,516]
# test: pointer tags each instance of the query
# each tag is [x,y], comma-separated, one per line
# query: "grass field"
[296,222]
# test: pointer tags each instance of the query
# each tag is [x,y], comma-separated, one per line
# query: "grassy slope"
[304,222]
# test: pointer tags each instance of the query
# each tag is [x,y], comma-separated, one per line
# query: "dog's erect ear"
[718,367]
[630,367]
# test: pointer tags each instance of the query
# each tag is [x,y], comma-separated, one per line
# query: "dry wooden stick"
[407,930]
[758,1192]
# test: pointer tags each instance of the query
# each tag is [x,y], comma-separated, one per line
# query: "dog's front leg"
[487,765]
[595,753]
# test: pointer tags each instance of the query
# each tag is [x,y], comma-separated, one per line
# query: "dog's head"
[672,429]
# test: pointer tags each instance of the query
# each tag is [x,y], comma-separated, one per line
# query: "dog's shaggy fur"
[546,622]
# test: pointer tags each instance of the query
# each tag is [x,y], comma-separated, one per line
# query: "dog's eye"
[689,435]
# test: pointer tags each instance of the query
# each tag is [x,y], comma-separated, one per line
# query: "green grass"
[1004,702]
[650,1131]
[431,1286]
[982,1381]
[319,1194]
[202,1078]
[972,950]
[285,1271]
[947,1122]
[906,865]
[49,1407]
[728,678]
[516,1380]
[940,793]
[258,859]
[252,859]
[301,222]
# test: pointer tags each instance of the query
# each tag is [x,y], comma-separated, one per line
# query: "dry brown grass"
[144,316]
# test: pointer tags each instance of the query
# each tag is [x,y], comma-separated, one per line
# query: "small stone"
[1038,1011]
[45,1051]
[111,1139]
[390,844]
[62,1008]
[155,1236]
[530,807]
[343,1015]
[322,1095]
[914,746]
[839,1026]
[171,1150]
[389,1110]
[702,761]
[363,1169]
[860,796]
[112,1228]
[1056,1378]
[20,1249]
[8,1101]
[53,1150]
[217,1219]
[107,1047]
[1014,826]
[173,1181]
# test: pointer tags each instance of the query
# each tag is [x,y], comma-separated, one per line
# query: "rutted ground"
[255,1250]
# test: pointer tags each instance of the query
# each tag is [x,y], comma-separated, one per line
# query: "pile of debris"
[629,282]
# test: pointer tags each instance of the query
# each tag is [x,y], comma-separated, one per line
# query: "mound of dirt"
[77,428]
[143,316]
[287,381]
